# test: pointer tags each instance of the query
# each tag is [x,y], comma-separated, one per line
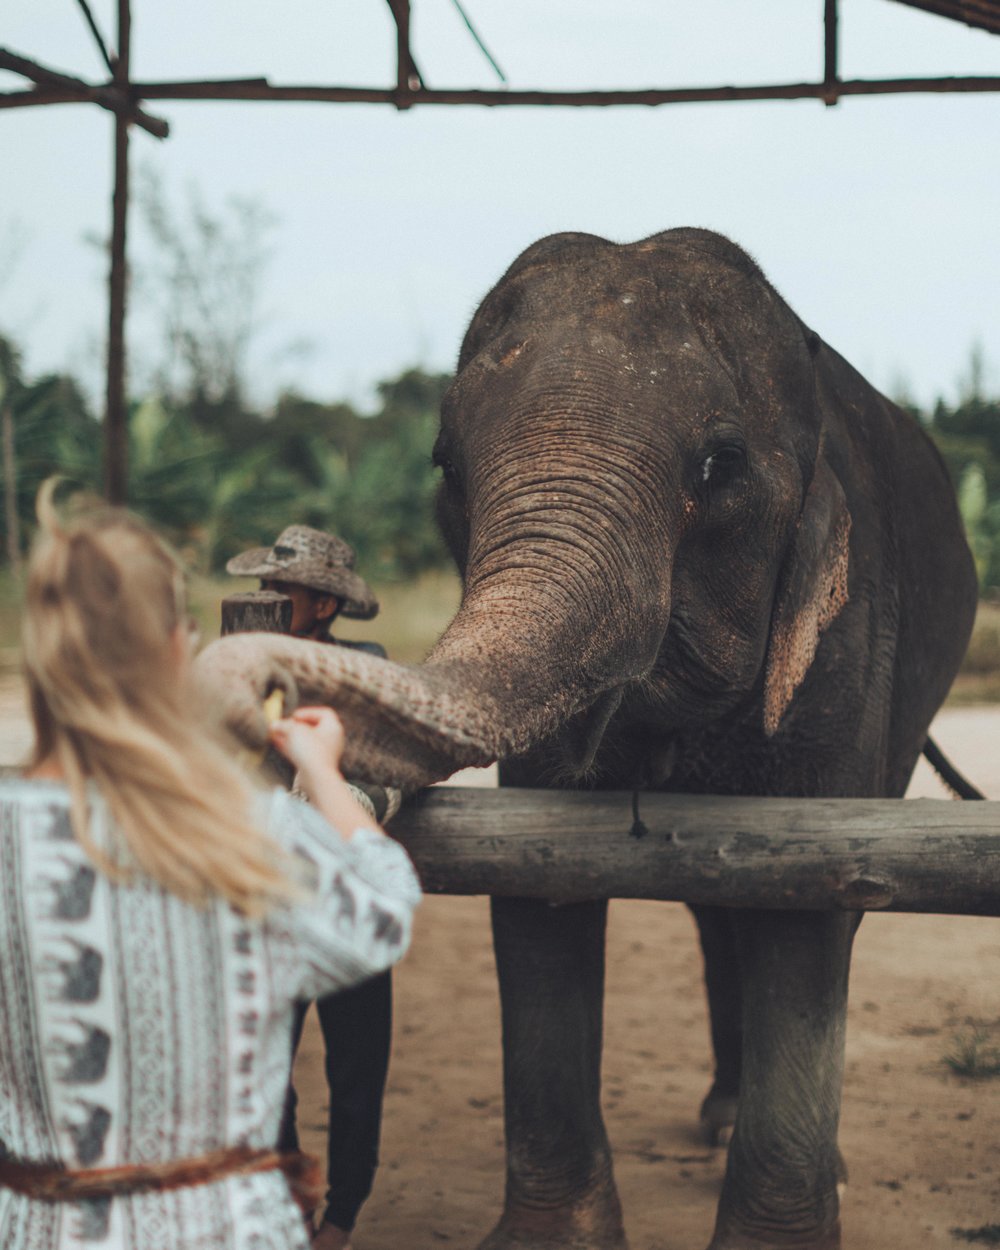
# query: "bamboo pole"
[262,90]
[10,480]
[115,413]
[913,855]
[408,77]
[53,87]
[831,53]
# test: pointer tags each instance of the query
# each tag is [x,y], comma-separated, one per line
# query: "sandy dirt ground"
[922,1145]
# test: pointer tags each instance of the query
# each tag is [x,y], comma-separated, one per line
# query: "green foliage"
[368,478]
[218,475]
[968,436]
[54,432]
[384,507]
[218,486]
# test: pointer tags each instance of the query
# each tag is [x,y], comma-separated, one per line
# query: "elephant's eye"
[724,464]
[441,461]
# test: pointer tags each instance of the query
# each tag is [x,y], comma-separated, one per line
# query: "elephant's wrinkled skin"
[700,553]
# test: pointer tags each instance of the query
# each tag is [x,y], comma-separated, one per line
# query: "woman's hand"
[312,738]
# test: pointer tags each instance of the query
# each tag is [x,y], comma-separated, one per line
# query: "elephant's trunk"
[526,656]
[566,546]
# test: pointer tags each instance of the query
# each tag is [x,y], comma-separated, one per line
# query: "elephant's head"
[637,494]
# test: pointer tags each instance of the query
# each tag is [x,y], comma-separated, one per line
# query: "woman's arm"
[358,920]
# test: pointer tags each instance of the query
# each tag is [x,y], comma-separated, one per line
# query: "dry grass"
[414,614]
[985,1235]
[975,1054]
[979,679]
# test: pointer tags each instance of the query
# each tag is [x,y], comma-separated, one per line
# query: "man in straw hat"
[316,571]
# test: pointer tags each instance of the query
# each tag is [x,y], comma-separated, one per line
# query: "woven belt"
[51,1182]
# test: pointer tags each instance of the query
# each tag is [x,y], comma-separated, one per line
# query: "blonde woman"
[157,921]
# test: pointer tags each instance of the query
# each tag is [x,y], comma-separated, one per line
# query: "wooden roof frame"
[981,14]
[123,97]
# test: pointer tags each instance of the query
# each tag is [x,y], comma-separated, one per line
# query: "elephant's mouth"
[571,755]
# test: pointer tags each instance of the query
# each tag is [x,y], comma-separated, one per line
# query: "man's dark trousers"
[357,1032]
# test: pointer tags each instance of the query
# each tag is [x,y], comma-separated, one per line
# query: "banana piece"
[274,706]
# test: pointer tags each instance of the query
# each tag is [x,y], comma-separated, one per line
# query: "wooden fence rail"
[918,855]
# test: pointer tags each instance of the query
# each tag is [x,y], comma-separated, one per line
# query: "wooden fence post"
[917,855]
[258,611]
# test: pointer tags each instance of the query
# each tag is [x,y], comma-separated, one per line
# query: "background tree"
[967,434]
[52,431]
[204,275]
[371,477]
[9,376]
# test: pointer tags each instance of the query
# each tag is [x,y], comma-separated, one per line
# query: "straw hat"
[309,557]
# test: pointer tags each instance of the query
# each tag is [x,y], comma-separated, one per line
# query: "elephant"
[699,553]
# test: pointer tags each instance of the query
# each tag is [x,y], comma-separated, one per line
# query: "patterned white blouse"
[136,1028]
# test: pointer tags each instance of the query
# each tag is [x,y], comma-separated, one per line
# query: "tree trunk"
[10,487]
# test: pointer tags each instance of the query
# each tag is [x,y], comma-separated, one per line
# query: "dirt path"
[923,1146]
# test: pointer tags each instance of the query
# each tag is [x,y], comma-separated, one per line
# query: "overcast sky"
[879,220]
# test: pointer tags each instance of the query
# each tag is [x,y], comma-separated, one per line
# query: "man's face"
[312,611]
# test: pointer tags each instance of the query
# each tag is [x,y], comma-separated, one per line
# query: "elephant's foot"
[717,1117]
[731,1239]
[592,1223]
[499,1239]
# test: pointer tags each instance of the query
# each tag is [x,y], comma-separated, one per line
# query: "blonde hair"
[102,647]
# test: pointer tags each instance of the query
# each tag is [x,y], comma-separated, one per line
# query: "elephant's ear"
[812,589]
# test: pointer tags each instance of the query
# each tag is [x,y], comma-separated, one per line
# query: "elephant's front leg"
[780,1190]
[724,988]
[560,1189]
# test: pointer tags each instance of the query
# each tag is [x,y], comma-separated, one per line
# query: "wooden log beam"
[35,72]
[408,78]
[979,14]
[259,89]
[830,53]
[116,404]
[262,90]
[53,87]
[918,855]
